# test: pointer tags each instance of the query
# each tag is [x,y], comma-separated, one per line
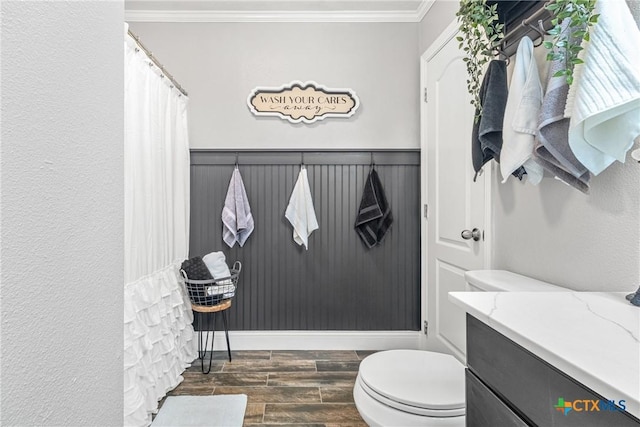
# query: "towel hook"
[500,53]
[539,29]
[302,159]
[237,158]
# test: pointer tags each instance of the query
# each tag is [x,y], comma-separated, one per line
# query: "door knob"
[474,234]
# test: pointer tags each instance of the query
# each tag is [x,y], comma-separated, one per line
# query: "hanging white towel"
[300,211]
[237,221]
[606,110]
[521,116]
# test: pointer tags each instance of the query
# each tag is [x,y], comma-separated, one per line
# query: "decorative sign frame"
[302,102]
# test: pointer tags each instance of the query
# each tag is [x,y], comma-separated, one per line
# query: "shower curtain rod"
[157,63]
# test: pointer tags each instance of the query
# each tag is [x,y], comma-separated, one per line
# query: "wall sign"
[302,102]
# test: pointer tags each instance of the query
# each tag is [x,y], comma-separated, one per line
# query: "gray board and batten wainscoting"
[338,284]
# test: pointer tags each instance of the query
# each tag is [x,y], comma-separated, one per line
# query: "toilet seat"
[413,381]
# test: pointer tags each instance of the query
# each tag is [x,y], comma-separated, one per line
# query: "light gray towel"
[217,265]
[216,262]
[237,221]
[552,150]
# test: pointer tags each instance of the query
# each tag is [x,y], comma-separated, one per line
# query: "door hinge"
[426,211]
[425,95]
[426,328]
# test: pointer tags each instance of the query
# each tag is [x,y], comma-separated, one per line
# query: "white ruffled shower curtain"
[158,337]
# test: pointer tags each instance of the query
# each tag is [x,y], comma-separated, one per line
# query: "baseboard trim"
[318,340]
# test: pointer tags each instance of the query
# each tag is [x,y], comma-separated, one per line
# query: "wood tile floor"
[284,388]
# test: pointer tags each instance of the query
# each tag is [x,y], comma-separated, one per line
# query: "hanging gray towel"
[486,137]
[374,216]
[552,149]
[237,221]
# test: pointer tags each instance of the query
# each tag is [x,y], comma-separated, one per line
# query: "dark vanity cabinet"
[506,385]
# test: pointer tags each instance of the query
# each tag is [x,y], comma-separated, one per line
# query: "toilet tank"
[506,281]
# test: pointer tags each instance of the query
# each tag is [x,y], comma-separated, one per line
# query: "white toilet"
[423,388]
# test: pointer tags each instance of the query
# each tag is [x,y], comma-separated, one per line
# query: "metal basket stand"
[209,297]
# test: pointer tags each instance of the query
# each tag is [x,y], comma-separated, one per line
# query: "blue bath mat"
[191,411]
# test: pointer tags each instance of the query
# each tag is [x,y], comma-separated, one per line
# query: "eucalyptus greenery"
[567,45]
[480,31]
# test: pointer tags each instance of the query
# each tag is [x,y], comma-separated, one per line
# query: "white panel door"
[455,202]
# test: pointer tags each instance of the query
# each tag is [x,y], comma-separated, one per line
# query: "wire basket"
[213,291]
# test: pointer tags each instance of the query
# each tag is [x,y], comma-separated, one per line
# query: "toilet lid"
[415,381]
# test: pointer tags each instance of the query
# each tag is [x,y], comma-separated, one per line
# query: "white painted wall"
[557,234]
[220,63]
[62,213]
[439,16]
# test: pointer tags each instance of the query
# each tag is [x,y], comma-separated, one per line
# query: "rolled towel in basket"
[217,265]
[196,269]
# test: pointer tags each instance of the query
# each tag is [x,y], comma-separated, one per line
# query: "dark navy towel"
[196,269]
[486,137]
[374,216]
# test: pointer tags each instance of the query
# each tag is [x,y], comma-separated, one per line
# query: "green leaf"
[579,34]
[576,61]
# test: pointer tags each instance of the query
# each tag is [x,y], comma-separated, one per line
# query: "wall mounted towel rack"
[535,26]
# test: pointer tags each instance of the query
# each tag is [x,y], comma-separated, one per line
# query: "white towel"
[217,265]
[237,221]
[606,109]
[577,76]
[300,212]
[521,116]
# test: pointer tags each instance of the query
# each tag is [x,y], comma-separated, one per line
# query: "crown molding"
[423,8]
[140,15]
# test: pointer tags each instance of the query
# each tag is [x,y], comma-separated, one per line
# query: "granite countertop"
[593,337]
